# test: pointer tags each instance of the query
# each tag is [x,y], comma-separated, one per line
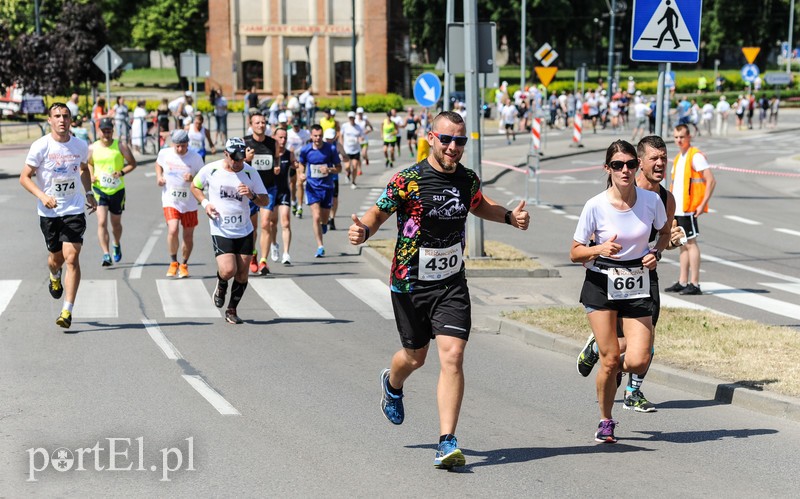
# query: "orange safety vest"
[694,184]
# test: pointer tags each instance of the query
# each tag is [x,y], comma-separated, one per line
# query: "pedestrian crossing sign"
[666,30]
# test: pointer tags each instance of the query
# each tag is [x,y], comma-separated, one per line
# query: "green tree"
[171,26]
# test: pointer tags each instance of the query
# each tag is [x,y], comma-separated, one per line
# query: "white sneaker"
[353,186]
[286,260]
[273,252]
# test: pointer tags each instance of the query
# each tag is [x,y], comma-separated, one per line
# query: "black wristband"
[254,196]
[122,173]
[508,217]
[366,233]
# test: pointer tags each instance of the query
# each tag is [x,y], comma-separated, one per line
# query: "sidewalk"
[522,291]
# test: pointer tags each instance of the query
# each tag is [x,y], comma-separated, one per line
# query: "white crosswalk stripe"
[97,298]
[373,292]
[789,287]
[185,298]
[287,300]
[7,290]
[751,299]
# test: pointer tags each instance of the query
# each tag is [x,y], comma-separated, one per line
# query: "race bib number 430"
[439,263]
[627,284]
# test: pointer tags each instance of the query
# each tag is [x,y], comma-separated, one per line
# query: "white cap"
[330,133]
[351,114]
[282,118]
[360,110]
[638,92]
[333,112]
[188,93]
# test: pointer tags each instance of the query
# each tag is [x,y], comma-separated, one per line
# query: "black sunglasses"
[445,139]
[632,164]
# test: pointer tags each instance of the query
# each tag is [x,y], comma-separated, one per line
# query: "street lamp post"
[353,93]
[791,28]
[611,47]
[522,50]
[39,25]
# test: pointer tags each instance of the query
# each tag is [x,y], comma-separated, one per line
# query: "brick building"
[285,45]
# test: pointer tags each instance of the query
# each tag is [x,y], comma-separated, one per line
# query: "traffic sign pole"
[108,81]
[474,224]
[662,72]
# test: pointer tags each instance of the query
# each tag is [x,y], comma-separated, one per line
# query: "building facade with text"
[290,45]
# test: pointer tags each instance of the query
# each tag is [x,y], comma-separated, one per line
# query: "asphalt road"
[287,404]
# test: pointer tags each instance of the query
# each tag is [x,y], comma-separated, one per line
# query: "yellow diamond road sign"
[750,53]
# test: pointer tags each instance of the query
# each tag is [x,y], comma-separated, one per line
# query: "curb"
[764,402]
[379,261]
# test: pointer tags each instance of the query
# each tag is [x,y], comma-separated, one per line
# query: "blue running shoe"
[117,250]
[320,252]
[448,455]
[391,405]
[107,260]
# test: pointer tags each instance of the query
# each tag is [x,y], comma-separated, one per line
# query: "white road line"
[162,342]
[742,220]
[97,299]
[670,301]
[287,300]
[136,269]
[789,287]
[7,290]
[212,396]
[751,299]
[373,292]
[149,174]
[572,217]
[773,275]
[788,231]
[558,212]
[185,298]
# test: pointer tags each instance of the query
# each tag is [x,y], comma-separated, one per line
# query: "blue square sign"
[666,30]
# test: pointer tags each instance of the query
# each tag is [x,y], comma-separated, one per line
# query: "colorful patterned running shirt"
[432,209]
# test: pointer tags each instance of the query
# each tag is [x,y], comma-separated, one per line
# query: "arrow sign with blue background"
[666,30]
[427,89]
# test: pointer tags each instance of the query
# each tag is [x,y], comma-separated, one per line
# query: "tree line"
[58,60]
[567,24]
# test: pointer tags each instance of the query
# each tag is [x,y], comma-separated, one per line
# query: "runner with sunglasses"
[618,266]
[429,290]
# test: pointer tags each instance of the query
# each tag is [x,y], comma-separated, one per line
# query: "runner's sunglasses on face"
[632,164]
[445,139]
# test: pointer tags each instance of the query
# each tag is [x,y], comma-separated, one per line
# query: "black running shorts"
[59,230]
[594,295]
[655,295]
[115,202]
[438,310]
[689,224]
[237,246]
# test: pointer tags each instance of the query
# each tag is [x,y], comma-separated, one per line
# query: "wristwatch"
[508,217]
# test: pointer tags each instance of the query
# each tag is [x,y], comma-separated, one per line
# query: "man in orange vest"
[692,185]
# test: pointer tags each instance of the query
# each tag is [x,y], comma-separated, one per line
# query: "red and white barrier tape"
[757,172]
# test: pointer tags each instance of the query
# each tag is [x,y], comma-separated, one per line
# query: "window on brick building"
[252,74]
[342,76]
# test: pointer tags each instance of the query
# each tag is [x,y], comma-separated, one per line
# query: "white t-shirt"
[723,107]
[632,226]
[296,139]
[509,113]
[351,138]
[363,123]
[699,163]
[233,221]
[708,111]
[176,193]
[640,110]
[58,173]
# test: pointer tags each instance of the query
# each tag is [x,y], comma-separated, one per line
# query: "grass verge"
[499,255]
[746,352]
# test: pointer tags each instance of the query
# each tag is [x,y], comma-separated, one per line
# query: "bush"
[372,103]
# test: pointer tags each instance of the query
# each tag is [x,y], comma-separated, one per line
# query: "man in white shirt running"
[59,162]
[231,184]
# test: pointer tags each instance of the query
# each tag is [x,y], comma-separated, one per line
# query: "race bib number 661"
[627,284]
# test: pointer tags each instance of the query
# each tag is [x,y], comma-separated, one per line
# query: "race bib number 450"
[627,284]
[262,162]
[439,263]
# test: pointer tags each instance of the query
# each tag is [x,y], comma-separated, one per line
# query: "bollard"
[577,130]
[536,133]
